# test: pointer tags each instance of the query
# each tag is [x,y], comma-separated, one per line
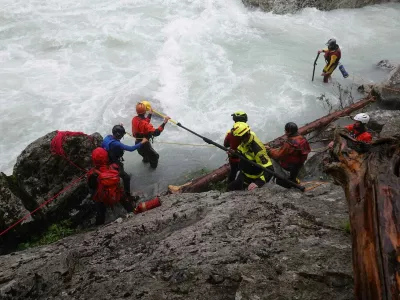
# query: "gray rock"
[42,174]
[285,6]
[388,93]
[11,207]
[380,117]
[386,65]
[283,244]
[391,128]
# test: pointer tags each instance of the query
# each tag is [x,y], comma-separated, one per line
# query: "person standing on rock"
[233,142]
[332,58]
[253,149]
[292,155]
[142,129]
[116,150]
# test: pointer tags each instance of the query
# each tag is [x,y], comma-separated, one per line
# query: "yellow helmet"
[240,128]
[146,104]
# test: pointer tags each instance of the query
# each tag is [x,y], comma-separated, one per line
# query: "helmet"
[240,128]
[140,108]
[363,118]
[118,131]
[239,116]
[331,44]
[291,127]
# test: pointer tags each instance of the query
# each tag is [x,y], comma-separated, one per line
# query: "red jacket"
[365,137]
[232,142]
[141,127]
[294,151]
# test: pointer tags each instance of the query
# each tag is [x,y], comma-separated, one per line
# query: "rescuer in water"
[332,58]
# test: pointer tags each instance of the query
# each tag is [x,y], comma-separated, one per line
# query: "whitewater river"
[83,65]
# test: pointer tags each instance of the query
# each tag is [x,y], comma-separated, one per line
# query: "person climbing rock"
[105,186]
[233,142]
[359,130]
[143,129]
[332,58]
[253,149]
[292,155]
[115,149]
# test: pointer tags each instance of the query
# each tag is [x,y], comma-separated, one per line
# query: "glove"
[252,186]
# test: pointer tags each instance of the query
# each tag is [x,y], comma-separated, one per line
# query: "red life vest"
[301,149]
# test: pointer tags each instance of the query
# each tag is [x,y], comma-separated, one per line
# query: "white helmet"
[363,118]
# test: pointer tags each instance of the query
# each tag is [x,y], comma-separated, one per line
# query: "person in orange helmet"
[142,128]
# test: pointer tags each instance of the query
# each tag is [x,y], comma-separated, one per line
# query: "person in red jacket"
[332,58]
[293,153]
[142,128]
[358,130]
[233,142]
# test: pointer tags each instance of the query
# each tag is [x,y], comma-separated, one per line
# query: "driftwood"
[201,183]
[372,186]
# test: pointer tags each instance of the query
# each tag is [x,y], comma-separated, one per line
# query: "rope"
[318,183]
[43,204]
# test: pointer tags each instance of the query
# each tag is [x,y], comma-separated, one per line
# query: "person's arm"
[126,147]
[227,144]
[281,152]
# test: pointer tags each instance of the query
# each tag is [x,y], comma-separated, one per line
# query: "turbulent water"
[83,65]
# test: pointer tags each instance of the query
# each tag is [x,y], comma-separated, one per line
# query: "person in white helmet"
[358,130]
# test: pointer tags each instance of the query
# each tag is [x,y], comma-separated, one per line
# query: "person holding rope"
[292,155]
[252,149]
[112,144]
[143,129]
[232,142]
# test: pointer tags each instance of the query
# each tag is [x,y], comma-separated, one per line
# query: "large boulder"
[269,243]
[379,117]
[388,93]
[43,174]
[285,6]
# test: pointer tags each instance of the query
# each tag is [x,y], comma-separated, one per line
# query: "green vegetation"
[346,227]
[54,233]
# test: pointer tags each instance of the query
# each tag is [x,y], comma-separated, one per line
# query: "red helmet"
[140,108]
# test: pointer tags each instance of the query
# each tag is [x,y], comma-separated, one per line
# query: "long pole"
[315,63]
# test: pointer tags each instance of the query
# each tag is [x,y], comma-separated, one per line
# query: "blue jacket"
[116,149]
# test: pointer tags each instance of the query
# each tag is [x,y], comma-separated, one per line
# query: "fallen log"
[200,184]
[372,186]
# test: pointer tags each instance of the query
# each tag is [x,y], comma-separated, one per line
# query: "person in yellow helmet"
[253,149]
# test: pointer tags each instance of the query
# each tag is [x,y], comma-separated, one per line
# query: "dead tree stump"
[372,186]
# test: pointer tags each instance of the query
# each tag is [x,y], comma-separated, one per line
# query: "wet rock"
[276,234]
[287,6]
[388,93]
[391,128]
[386,65]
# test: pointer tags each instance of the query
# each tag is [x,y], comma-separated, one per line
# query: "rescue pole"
[315,63]
[208,141]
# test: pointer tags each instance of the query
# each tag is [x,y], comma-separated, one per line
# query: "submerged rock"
[269,243]
[386,65]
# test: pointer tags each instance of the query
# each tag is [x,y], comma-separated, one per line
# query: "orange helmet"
[140,108]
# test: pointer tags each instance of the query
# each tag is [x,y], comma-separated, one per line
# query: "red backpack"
[109,189]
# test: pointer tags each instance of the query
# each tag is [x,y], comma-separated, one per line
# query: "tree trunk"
[372,187]
[200,184]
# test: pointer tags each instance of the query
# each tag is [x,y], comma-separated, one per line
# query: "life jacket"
[142,128]
[301,150]
[359,135]
[328,55]
[109,189]
[114,153]
[254,150]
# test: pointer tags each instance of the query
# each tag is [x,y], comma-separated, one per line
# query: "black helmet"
[118,131]
[332,44]
[239,116]
[291,127]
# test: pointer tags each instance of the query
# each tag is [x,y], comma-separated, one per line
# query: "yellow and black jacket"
[332,58]
[255,151]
